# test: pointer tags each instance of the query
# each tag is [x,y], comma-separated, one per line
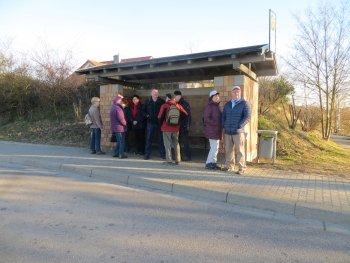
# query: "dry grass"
[305,152]
[45,132]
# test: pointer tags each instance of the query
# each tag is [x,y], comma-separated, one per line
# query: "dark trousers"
[95,141]
[140,140]
[119,147]
[151,129]
[184,140]
[127,144]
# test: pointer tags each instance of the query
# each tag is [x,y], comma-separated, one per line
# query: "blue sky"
[98,30]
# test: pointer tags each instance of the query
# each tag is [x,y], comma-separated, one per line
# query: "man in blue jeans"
[95,127]
[150,110]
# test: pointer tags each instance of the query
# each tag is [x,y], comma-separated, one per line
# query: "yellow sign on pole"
[272,35]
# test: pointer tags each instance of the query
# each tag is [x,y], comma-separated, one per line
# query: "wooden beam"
[243,69]
[117,81]
[112,72]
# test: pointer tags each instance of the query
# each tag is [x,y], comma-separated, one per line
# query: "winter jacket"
[118,122]
[212,118]
[95,117]
[163,113]
[186,121]
[128,117]
[151,109]
[234,119]
[139,118]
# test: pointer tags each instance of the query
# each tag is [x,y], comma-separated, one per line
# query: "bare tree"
[321,55]
[52,67]
[293,114]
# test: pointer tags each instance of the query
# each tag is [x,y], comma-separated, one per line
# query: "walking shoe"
[216,167]
[99,153]
[146,157]
[123,157]
[186,159]
[209,166]
[162,156]
[136,153]
[168,163]
[177,163]
[240,171]
[115,155]
[141,153]
[226,169]
[93,152]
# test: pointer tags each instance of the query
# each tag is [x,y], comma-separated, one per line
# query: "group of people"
[170,120]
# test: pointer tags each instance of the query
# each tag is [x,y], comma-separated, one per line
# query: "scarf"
[134,112]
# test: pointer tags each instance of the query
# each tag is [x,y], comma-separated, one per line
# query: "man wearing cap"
[235,116]
[150,111]
[184,126]
[170,132]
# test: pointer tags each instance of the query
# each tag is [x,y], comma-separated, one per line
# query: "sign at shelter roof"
[272,34]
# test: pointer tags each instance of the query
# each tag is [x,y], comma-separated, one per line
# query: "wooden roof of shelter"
[253,61]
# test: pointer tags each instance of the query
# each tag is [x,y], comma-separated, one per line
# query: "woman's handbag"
[113,137]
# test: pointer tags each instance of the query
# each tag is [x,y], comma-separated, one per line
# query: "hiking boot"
[168,163]
[240,171]
[216,167]
[209,166]
[226,169]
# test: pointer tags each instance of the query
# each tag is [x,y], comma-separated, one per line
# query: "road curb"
[337,220]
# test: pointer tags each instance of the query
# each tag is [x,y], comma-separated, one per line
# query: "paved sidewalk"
[309,196]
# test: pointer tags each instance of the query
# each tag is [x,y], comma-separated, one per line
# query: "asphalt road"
[50,216]
[342,141]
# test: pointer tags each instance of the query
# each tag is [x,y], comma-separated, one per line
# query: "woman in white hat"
[213,129]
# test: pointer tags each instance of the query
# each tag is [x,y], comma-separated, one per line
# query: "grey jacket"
[95,117]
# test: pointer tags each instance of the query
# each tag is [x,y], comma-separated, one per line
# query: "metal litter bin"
[267,141]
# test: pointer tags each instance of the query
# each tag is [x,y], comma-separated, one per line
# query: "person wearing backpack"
[169,119]
[95,127]
[213,129]
[184,126]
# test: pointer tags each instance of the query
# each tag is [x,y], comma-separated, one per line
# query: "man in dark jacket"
[235,116]
[150,111]
[184,126]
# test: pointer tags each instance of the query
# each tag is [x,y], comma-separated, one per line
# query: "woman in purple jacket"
[213,129]
[118,126]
